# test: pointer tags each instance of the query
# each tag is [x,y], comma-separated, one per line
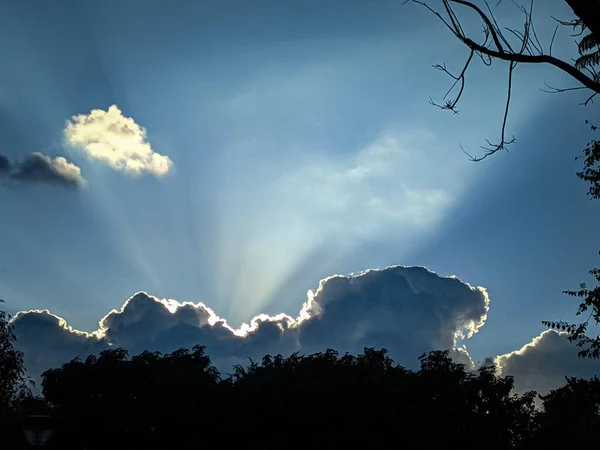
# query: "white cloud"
[65,169]
[381,186]
[116,140]
[325,203]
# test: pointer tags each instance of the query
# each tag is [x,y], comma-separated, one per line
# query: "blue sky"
[302,146]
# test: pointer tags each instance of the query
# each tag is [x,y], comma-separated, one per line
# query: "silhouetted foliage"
[591,166]
[571,415]
[179,400]
[13,381]
[148,400]
[590,297]
[12,371]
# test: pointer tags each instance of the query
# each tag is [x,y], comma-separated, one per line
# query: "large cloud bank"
[117,141]
[408,310]
[37,168]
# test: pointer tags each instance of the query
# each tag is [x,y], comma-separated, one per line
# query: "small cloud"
[543,364]
[41,169]
[116,140]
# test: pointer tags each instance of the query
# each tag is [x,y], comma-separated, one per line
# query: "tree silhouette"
[148,400]
[570,415]
[324,399]
[590,297]
[13,381]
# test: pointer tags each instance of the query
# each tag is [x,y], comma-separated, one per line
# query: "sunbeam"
[233,157]
[271,221]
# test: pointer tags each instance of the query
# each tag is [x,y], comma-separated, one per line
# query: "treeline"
[180,401]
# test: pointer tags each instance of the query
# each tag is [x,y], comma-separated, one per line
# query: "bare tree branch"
[538,59]
[496,46]
[552,41]
[553,90]
[494,148]
[590,99]
[450,105]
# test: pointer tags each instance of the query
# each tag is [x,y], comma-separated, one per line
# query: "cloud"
[330,205]
[116,140]
[5,164]
[41,169]
[47,339]
[377,188]
[408,310]
[543,363]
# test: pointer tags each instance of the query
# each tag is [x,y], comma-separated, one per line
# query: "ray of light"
[339,203]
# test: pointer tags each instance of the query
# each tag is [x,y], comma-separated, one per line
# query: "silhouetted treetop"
[321,399]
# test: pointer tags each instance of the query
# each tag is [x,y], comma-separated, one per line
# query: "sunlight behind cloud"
[386,189]
[406,309]
[116,140]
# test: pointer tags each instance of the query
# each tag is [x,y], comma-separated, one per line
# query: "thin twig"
[552,41]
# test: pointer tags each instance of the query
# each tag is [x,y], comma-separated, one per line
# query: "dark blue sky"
[302,144]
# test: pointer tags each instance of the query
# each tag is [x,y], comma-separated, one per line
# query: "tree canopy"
[13,380]
[179,400]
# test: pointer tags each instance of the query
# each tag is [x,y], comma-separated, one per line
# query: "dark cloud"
[40,169]
[145,322]
[5,165]
[408,310]
[543,364]
[47,340]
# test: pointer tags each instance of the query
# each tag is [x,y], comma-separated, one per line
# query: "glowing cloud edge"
[245,329]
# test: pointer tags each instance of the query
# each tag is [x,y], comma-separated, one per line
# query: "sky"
[236,155]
